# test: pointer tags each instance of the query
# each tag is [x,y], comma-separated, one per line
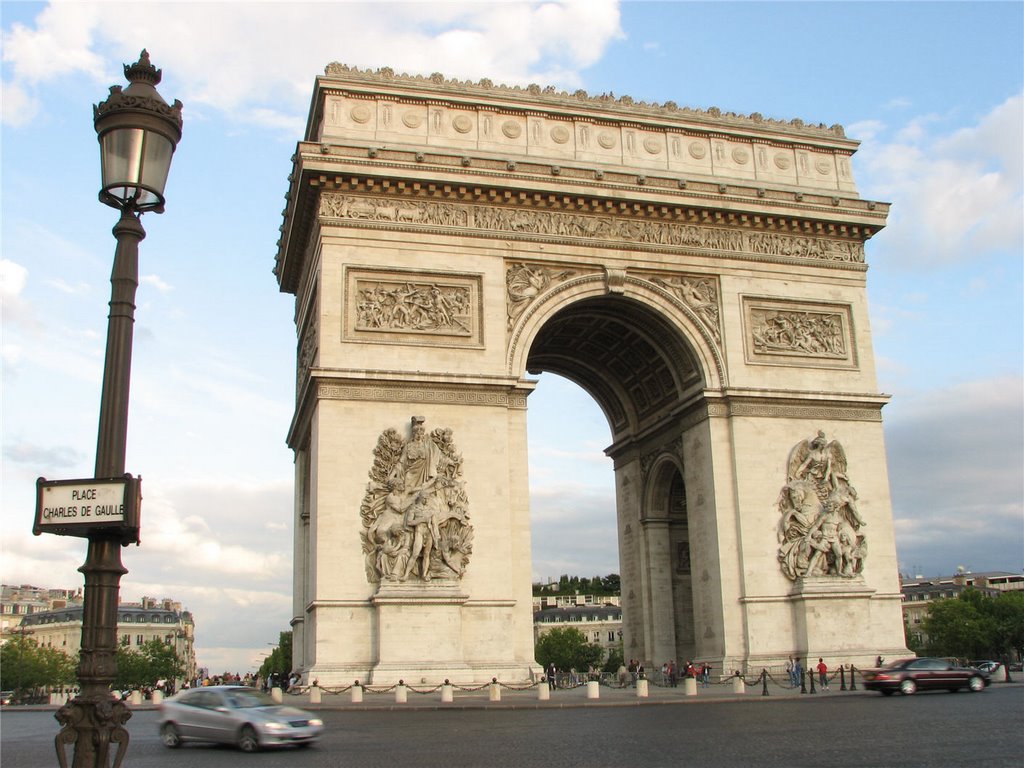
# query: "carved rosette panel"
[415,514]
[525,282]
[395,306]
[529,223]
[792,332]
[820,528]
[700,294]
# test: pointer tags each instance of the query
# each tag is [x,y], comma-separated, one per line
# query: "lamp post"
[138,132]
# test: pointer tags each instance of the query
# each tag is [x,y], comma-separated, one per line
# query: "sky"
[933,91]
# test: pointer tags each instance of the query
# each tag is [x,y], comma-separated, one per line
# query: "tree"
[25,666]
[280,659]
[975,625]
[567,648]
[153,661]
[616,658]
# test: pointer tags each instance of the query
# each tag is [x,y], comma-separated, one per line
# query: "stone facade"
[701,275]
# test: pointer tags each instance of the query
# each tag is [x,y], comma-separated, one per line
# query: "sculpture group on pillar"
[819,528]
[415,518]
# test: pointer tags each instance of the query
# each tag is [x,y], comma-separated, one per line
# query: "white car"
[235,714]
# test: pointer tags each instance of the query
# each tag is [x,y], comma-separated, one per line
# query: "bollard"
[803,683]
[447,694]
[543,691]
[764,682]
[811,675]
[738,685]
[593,689]
[842,678]
[853,680]
[135,698]
[690,686]
[357,693]
[495,690]
[157,697]
[277,695]
[641,688]
[314,694]
[401,693]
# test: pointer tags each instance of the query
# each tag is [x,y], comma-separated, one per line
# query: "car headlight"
[275,726]
[315,721]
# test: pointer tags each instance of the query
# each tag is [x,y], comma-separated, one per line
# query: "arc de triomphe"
[700,274]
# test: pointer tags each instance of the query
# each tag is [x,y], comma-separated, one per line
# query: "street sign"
[106,506]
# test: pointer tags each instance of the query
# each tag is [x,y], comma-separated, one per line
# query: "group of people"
[700,671]
[795,670]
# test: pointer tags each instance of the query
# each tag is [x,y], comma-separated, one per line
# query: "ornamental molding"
[446,394]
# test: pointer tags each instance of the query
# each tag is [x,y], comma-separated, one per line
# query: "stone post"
[277,695]
[314,694]
[641,688]
[447,693]
[495,690]
[690,686]
[357,693]
[593,689]
[738,685]
[401,693]
[135,698]
[543,691]
[158,697]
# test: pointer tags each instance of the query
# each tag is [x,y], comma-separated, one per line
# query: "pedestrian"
[878,661]
[640,674]
[551,675]
[798,674]
[790,672]
[822,674]
[705,675]
[672,673]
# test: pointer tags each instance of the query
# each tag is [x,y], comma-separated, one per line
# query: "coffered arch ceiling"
[636,366]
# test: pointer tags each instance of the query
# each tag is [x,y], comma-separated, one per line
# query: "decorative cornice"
[537,97]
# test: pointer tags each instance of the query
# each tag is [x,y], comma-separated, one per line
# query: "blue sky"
[932,90]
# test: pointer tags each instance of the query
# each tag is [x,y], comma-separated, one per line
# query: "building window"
[611,635]
[139,640]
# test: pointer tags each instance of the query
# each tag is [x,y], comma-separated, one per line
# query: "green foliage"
[616,658]
[975,625]
[567,648]
[280,659]
[25,665]
[142,668]
[574,585]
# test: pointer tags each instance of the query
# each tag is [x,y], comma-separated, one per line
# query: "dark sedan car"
[233,714]
[911,675]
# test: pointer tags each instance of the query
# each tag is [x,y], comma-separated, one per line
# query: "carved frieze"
[514,222]
[794,332]
[415,513]
[819,527]
[525,282]
[412,307]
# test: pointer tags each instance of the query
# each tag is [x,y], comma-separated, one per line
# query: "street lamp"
[138,132]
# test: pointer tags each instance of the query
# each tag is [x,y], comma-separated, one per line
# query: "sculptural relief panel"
[699,293]
[531,223]
[415,514]
[781,332]
[393,306]
[820,527]
[525,282]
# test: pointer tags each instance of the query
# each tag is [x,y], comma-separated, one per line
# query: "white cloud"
[958,194]
[514,42]
[156,282]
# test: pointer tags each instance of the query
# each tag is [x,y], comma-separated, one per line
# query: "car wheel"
[976,684]
[908,687]
[169,735]
[248,741]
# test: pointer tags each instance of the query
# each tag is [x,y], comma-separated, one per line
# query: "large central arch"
[701,276]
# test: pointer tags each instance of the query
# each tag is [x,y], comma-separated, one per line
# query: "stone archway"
[700,275]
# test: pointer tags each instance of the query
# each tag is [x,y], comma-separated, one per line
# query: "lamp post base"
[92,724]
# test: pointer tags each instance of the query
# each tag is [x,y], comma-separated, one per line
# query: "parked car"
[235,714]
[994,669]
[6,697]
[911,675]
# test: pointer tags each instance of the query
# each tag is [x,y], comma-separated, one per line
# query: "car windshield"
[248,698]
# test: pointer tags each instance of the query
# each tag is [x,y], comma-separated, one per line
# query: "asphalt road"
[928,730]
